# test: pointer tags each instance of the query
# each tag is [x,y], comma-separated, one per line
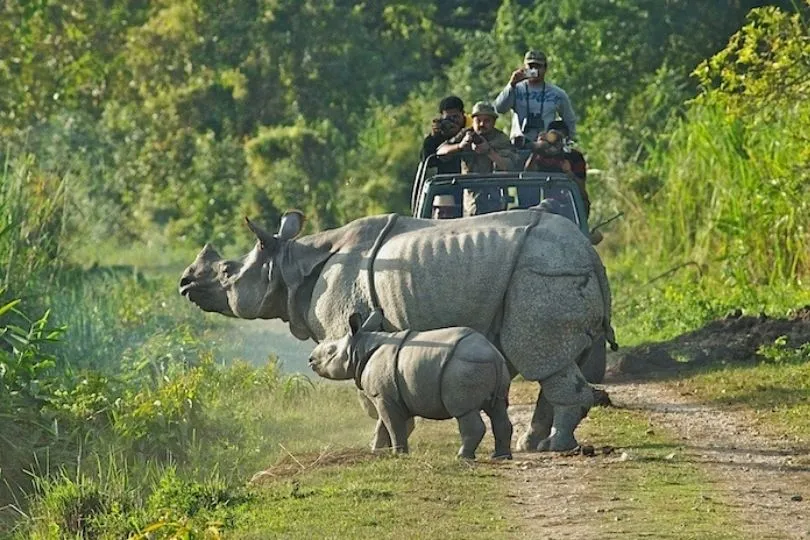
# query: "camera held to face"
[531,73]
[476,137]
[446,127]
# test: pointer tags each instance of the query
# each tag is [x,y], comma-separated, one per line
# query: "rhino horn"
[208,254]
[291,223]
[374,321]
[264,237]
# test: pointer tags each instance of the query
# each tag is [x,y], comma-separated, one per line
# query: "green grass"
[424,494]
[660,493]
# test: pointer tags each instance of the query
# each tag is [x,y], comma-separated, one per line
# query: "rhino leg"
[396,422]
[540,427]
[472,430]
[592,365]
[571,396]
[501,429]
[549,324]
[382,439]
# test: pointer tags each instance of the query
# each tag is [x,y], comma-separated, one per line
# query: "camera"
[446,127]
[476,138]
[531,73]
[533,121]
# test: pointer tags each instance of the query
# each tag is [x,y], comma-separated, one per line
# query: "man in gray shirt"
[535,101]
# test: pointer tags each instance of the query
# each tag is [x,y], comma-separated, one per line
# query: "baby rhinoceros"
[439,374]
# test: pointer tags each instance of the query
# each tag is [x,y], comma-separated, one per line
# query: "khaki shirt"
[480,163]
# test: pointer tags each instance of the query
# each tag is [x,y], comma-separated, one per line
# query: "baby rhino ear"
[355,323]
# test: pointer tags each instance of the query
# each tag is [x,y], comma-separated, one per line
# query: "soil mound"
[735,338]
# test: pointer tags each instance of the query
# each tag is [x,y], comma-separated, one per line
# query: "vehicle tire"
[593,367]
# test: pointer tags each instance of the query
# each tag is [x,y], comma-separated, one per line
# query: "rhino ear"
[291,223]
[374,321]
[355,323]
[267,240]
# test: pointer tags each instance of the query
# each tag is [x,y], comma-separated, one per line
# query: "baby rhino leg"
[382,439]
[501,429]
[396,422]
[472,430]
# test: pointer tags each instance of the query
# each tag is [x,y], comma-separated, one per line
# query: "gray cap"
[535,57]
[484,108]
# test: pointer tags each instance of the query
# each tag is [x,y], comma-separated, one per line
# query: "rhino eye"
[229,268]
[332,349]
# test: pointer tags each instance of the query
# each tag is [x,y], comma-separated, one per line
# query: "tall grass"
[736,196]
[33,224]
[730,197]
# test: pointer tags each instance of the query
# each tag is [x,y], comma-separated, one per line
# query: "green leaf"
[8,307]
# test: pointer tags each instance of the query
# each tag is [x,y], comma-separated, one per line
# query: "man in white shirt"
[535,101]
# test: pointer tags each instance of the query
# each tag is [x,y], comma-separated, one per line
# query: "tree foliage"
[733,189]
[180,115]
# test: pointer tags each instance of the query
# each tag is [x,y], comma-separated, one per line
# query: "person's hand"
[481,148]
[517,76]
[436,127]
[467,140]
[565,166]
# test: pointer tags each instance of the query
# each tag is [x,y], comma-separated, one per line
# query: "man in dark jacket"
[450,121]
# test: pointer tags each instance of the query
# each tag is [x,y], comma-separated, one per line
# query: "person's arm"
[502,153]
[459,143]
[506,99]
[503,160]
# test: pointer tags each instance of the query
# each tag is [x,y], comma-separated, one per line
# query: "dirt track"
[755,477]
[761,480]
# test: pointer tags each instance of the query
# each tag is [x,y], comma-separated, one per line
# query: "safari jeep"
[517,189]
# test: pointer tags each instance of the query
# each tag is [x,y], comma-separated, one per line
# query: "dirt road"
[761,482]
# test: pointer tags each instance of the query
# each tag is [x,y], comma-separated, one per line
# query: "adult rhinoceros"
[530,281]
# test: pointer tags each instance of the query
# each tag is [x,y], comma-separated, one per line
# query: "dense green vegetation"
[134,131]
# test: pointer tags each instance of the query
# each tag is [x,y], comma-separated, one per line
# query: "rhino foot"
[529,441]
[501,456]
[557,443]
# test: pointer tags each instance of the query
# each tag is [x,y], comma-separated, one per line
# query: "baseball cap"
[535,57]
[483,108]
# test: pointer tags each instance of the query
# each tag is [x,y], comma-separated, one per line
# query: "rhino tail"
[604,287]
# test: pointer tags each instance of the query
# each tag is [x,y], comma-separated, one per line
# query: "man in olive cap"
[485,147]
[535,101]
[482,148]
